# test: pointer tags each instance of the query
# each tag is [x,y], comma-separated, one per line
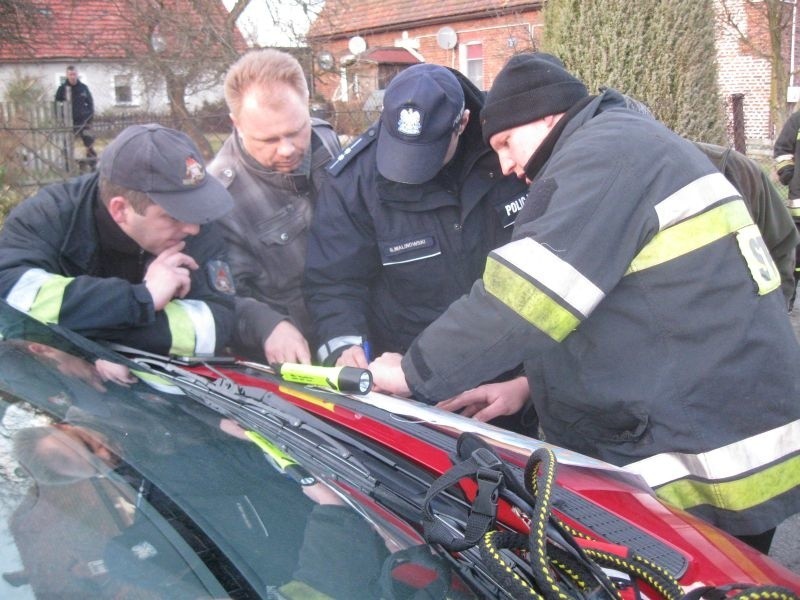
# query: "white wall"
[100,77]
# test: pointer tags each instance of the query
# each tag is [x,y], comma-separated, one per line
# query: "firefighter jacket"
[787,154]
[647,308]
[766,207]
[385,259]
[266,234]
[50,267]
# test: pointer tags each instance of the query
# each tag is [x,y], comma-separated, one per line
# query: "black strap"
[486,469]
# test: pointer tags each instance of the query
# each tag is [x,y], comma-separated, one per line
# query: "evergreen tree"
[661,53]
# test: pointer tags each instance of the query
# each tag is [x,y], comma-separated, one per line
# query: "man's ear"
[464,121]
[118,208]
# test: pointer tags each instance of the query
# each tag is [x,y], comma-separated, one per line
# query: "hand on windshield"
[322,494]
[114,372]
[168,276]
[286,345]
[490,400]
[388,376]
[354,356]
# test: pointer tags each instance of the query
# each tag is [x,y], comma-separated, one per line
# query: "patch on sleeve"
[220,277]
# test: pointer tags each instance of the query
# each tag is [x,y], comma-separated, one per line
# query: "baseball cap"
[421,109]
[166,165]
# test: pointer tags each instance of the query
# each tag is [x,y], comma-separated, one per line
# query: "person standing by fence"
[77,94]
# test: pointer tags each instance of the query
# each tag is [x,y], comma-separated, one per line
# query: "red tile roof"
[105,29]
[347,17]
[395,56]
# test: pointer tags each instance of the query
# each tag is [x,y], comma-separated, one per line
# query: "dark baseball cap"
[166,165]
[422,107]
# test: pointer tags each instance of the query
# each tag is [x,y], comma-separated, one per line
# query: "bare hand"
[354,356]
[168,276]
[388,376]
[322,494]
[286,345]
[490,400]
[115,372]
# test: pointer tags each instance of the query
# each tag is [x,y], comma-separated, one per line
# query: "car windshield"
[113,491]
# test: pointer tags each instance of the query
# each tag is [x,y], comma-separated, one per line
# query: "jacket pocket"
[282,227]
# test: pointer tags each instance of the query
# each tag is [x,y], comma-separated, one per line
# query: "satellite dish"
[447,38]
[325,60]
[356,44]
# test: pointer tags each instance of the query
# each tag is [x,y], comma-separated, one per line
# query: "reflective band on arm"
[689,235]
[192,326]
[794,207]
[527,301]
[540,264]
[334,344]
[40,294]
[784,160]
[694,198]
[525,298]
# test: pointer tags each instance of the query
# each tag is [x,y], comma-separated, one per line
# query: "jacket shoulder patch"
[219,277]
[354,149]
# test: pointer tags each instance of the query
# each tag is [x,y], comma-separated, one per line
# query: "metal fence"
[38,146]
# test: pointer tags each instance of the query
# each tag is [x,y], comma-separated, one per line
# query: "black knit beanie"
[528,88]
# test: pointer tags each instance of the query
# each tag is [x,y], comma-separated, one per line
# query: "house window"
[473,59]
[123,93]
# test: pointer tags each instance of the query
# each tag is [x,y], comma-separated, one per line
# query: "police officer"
[406,218]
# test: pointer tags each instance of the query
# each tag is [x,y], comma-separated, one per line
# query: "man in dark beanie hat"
[406,218]
[642,299]
[128,254]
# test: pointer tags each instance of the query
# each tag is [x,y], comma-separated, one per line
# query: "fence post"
[737,107]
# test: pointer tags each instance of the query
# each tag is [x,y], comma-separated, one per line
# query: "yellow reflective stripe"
[726,462]
[693,199]
[181,328]
[794,207]
[47,306]
[552,272]
[162,384]
[205,331]
[300,590]
[528,301]
[689,235]
[740,494]
[784,160]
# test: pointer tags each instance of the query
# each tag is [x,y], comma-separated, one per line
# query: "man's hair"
[262,68]
[71,68]
[139,201]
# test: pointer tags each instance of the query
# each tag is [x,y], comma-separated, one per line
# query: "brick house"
[99,37]
[351,43]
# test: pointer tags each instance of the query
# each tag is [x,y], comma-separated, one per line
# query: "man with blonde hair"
[272,165]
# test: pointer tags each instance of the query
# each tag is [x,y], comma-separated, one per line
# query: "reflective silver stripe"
[693,198]
[205,330]
[721,463]
[784,157]
[400,262]
[23,294]
[560,277]
[334,344]
[793,203]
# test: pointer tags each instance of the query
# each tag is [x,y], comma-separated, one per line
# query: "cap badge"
[410,122]
[194,172]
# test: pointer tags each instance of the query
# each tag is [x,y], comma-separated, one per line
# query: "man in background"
[77,94]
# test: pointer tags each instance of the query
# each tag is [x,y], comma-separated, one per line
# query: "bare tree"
[16,19]
[764,27]
[184,45]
